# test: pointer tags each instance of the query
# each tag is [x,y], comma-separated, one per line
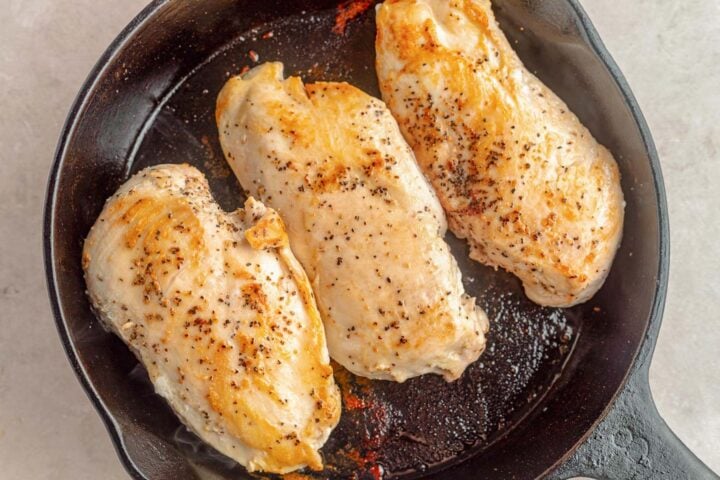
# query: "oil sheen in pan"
[386,428]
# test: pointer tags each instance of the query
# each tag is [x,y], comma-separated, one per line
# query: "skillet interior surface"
[547,375]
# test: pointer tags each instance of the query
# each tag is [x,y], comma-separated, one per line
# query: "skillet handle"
[634,442]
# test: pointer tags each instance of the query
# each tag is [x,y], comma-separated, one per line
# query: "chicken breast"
[220,313]
[362,219]
[517,173]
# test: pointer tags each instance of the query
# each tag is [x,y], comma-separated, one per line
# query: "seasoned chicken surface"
[221,314]
[362,220]
[517,173]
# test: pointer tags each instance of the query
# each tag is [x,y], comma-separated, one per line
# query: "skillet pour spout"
[558,393]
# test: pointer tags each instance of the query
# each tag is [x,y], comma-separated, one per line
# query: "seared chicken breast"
[361,218]
[221,314]
[517,173]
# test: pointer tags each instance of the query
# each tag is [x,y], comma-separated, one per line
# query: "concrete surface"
[669,51]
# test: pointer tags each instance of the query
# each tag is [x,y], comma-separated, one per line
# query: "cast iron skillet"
[558,393]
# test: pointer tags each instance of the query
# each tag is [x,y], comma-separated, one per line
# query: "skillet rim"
[66,133]
[589,35]
[652,329]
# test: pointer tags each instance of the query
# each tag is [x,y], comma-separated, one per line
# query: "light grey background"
[669,51]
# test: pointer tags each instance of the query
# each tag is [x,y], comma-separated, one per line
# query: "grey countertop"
[670,53]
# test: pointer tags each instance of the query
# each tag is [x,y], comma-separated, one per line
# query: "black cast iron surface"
[548,375]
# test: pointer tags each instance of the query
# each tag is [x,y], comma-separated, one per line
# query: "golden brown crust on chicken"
[362,219]
[517,173]
[221,314]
